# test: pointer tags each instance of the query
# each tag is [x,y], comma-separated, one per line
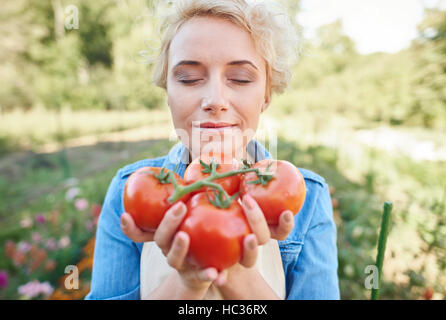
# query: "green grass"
[93,186]
[20,130]
[36,182]
[418,193]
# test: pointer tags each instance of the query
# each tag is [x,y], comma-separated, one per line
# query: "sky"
[374,25]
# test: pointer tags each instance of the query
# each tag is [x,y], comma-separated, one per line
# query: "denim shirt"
[309,254]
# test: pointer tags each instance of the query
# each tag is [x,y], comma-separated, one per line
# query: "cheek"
[251,109]
[249,115]
[180,106]
[179,115]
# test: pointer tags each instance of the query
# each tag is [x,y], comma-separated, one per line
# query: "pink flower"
[40,219]
[50,244]
[29,290]
[46,289]
[64,242]
[26,222]
[35,288]
[71,194]
[36,237]
[81,204]
[23,247]
[89,225]
[3,279]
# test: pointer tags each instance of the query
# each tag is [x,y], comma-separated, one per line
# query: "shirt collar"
[178,156]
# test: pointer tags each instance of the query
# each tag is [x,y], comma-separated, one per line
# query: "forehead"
[213,40]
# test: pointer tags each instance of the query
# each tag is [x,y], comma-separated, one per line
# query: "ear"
[266,104]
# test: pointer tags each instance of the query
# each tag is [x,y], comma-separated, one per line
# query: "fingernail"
[249,202]
[179,209]
[124,222]
[288,216]
[220,281]
[211,274]
[180,239]
[252,244]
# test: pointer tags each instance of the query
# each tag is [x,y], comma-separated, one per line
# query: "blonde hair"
[274,35]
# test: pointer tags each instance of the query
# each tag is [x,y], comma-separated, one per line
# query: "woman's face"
[215,78]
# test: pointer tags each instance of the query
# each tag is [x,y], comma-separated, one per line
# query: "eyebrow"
[197,63]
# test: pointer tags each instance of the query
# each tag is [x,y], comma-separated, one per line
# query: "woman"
[220,63]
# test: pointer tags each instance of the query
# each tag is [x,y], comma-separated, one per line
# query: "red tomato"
[285,191]
[194,172]
[145,197]
[216,234]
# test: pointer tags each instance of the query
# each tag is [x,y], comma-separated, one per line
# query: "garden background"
[76,105]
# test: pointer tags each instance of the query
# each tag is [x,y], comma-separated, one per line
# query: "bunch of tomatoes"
[212,189]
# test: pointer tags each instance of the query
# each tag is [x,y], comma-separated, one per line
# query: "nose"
[214,101]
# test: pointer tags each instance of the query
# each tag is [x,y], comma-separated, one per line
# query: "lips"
[216,125]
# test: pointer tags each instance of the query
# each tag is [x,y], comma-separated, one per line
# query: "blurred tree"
[100,64]
[329,52]
[331,37]
[20,31]
[333,41]
[96,44]
[430,79]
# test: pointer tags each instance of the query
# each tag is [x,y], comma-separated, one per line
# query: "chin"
[233,141]
[229,150]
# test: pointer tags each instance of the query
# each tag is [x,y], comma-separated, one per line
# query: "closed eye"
[189,81]
[195,80]
[241,81]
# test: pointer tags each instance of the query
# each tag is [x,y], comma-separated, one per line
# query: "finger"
[256,219]
[178,251]
[222,278]
[208,274]
[168,226]
[250,246]
[286,224]
[130,229]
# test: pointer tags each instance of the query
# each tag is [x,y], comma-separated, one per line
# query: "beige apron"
[155,269]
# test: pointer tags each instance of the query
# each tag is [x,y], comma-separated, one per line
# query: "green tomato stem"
[385,226]
[181,191]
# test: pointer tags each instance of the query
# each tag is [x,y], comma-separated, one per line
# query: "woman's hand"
[174,246]
[258,224]
[262,232]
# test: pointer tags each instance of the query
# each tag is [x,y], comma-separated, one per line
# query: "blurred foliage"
[102,64]
[95,66]
[106,65]
[53,226]
[430,76]
[406,88]
[415,256]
